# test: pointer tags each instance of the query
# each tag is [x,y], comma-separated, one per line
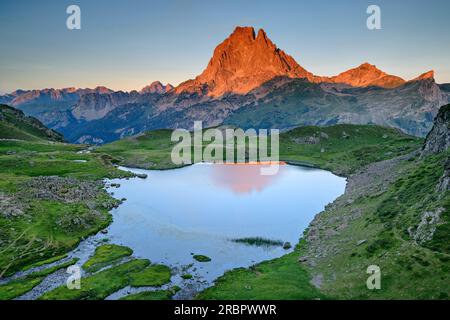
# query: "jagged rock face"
[438,140]
[94,106]
[45,96]
[430,91]
[243,62]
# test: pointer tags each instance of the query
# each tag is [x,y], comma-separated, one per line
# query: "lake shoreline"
[285,245]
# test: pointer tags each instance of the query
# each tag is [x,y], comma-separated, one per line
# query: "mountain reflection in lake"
[199,209]
[241,178]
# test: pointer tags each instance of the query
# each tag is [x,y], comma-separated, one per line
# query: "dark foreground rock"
[438,140]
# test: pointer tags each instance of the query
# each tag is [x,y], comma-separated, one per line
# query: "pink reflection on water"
[242,178]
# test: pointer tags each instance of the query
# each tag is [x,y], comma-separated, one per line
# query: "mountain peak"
[156,87]
[367,65]
[424,76]
[243,32]
[102,90]
[247,59]
[367,75]
[243,62]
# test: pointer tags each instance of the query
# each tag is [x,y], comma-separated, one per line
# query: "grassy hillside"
[340,148]
[150,150]
[344,148]
[40,217]
[51,193]
[15,125]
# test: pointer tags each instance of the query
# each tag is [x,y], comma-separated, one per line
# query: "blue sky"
[128,44]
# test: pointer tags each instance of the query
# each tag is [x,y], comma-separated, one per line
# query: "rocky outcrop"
[10,206]
[427,226]
[444,181]
[438,140]
[62,189]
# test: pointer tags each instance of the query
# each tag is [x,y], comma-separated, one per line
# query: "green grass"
[186,276]
[151,150]
[282,278]
[39,235]
[201,258]
[105,255]
[18,287]
[153,276]
[152,295]
[100,285]
[346,148]
[343,148]
[48,229]
[60,163]
[41,146]
[410,270]
[44,262]
[46,272]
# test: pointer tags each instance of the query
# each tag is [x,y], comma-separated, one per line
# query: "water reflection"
[242,178]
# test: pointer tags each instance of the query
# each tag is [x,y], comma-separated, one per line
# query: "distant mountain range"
[249,82]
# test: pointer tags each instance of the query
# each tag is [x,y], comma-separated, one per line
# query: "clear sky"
[128,44]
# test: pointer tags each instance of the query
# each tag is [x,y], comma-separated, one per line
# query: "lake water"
[200,209]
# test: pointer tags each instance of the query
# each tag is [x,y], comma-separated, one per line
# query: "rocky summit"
[156,87]
[244,61]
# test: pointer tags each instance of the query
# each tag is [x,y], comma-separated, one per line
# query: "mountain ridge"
[243,46]
[245,60]
[248,82]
